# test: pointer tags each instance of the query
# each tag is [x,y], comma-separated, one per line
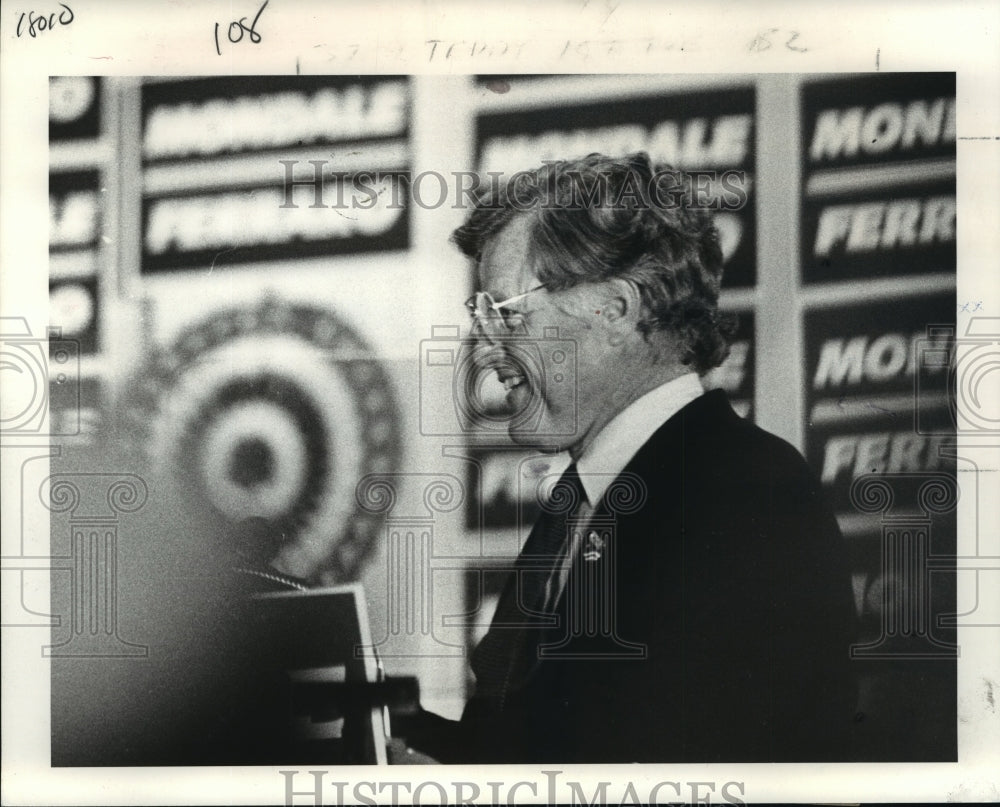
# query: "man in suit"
[689,601]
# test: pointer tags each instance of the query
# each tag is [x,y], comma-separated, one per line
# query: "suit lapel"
[656,475]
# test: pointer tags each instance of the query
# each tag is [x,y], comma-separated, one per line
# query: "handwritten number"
[238,28]
[762,41]
[253,25]
[791,39]
[41,23]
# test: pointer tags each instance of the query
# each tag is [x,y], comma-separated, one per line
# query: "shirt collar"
[628,431]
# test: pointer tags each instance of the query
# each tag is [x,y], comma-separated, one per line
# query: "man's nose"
[485,332]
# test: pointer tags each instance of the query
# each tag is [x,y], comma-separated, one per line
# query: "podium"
[322,699]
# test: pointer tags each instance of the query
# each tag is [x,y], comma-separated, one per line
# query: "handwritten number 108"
[238,28]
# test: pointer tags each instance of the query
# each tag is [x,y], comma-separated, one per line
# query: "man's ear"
[619,309]
[621,305]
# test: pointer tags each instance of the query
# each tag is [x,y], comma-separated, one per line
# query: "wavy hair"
[599,218]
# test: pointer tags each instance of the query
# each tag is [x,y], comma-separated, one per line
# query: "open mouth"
[511,373]
[511,381]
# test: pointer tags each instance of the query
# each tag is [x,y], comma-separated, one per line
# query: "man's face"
[563,375]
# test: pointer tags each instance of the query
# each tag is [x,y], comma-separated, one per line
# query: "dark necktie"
[506,653]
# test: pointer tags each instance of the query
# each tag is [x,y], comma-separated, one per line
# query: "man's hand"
[401,754]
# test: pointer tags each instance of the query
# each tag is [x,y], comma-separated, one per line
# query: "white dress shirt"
[614,447]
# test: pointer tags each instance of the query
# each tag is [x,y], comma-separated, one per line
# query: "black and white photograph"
[421,418]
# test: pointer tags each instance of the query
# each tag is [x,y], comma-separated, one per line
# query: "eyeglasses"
[490,315]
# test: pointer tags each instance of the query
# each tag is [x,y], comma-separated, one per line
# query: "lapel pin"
[594,547]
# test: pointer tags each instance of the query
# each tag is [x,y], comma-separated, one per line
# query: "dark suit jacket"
[732,578]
